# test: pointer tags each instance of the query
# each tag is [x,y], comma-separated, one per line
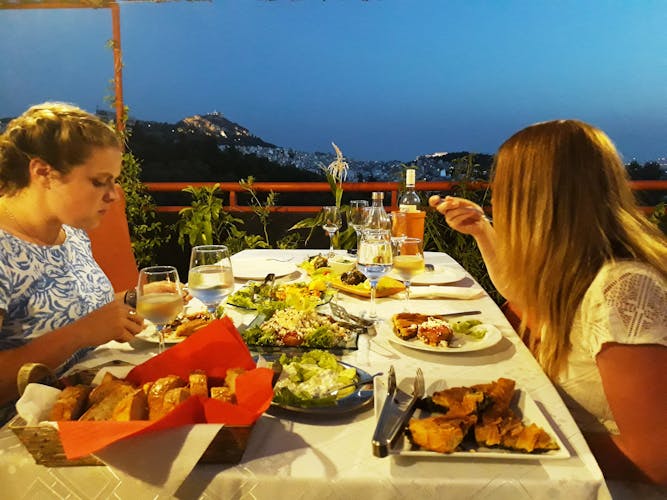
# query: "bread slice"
[173,398]
[71,403]
[157,392]
[224,394]
[230,378]
[134,406]
[198,382]
[103,410]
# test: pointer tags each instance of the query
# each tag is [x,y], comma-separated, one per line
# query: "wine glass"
[331,222]
[408,262]
[357,215]
[159,297]
[210,278]
[374,259]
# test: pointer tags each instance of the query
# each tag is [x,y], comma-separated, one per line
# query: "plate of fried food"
[474,420]
[177,330]
[438,333]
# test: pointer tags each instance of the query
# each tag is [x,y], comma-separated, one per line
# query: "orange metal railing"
[393,188]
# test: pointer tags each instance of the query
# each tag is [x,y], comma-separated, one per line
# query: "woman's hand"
[462,215]
[114,321]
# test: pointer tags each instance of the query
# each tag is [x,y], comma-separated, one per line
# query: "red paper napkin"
[213,349]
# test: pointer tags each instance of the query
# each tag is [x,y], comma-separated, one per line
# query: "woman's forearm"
[51,349]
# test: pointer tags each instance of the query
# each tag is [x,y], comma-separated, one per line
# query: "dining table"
[330,455]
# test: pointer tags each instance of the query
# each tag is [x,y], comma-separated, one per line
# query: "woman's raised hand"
[462,215]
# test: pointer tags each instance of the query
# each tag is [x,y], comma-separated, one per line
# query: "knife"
[460,313]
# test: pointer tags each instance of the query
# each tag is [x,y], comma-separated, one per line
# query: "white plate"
[465,343]
[149,334]
[523,405]
[441,275]
[257,269]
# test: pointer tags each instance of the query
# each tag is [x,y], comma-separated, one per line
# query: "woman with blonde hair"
[58,168]
[570,249]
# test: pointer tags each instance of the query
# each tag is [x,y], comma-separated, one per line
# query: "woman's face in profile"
[82,197]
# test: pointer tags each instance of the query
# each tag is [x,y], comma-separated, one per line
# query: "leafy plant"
[206,222]
[261,210]
[659,216]
[198,223]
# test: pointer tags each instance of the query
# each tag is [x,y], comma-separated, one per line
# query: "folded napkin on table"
[445,292]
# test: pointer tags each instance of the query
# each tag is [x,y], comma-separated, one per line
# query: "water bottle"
[377,218]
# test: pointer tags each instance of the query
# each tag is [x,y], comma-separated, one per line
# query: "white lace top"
[627,304]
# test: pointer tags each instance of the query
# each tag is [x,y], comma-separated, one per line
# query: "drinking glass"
[374,259]
[210,278]
[159,297]
[357,216]
[399,226]
[331,222]
[408,262]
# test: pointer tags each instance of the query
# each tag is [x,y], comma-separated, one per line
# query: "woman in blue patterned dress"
[58,167]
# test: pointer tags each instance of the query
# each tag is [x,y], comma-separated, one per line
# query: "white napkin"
[444,292]
[36,402]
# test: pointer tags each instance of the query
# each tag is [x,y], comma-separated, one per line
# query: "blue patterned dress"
[43,288]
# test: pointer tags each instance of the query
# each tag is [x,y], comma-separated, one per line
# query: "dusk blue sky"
[384,79]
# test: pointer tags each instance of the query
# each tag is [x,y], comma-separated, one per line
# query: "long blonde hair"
[562,207]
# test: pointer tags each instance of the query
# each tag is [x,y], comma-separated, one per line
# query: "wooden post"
[117,66]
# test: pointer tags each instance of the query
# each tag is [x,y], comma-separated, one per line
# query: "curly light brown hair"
[60,134]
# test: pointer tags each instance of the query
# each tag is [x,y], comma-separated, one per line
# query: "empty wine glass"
[159,297]
[374,259]
[210,278]
[357,215]
[408,262]
[331,222]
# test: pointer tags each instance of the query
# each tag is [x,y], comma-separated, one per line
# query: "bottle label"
[410,178]
[408,208]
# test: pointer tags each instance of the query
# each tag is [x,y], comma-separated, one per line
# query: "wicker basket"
[43,443]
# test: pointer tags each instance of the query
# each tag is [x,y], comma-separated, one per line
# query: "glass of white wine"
[408,261]
[159,297]
[374,259]
[331,222]
[210,278]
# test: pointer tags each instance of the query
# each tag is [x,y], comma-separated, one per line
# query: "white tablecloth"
[296,456]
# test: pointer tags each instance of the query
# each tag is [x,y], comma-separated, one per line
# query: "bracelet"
[130,297]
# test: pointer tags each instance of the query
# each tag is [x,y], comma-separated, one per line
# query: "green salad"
[270,297]
[471,327]
[292,327]
[308,380]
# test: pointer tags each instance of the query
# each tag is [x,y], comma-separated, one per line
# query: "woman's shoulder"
[622,270]
[627,303]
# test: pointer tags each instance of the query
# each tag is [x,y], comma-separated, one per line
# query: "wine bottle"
[409,200]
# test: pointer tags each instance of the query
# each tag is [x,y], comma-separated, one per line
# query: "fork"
[342,313]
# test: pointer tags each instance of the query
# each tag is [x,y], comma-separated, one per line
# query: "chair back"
[112,247]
